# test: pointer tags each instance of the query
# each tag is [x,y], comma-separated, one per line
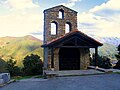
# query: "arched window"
[61,14]
[67,27]
[53,28]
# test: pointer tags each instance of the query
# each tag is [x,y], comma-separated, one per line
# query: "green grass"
[26,77]
[21,77]
[39,76]
[117,72]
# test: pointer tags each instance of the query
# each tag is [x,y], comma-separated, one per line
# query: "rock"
[1,81]
[4,78]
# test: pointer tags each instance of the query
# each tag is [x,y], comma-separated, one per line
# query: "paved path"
[92,82]
[74,72]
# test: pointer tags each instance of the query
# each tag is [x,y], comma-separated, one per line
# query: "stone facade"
[84,59]
[70,16]
[52,15]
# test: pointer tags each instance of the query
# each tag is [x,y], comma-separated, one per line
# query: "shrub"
[33,65]
[12,68]
[103,62]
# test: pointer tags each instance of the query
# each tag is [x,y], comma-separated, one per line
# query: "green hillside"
[19,47]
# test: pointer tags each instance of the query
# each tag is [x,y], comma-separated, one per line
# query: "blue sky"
[25,17]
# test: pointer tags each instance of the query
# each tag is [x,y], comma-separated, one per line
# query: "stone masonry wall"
[51,15]
[84,58]
[70,16]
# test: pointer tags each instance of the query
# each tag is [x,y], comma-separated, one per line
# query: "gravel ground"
[91,82]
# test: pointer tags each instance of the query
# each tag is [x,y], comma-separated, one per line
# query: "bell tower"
[58,21]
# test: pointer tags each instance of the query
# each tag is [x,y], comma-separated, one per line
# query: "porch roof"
[78,38]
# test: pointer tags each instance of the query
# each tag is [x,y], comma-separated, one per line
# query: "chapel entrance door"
[69,59]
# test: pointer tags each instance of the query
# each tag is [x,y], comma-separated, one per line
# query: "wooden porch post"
[52,58]
[96,55]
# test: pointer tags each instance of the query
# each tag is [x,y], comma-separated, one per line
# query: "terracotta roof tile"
[72,32]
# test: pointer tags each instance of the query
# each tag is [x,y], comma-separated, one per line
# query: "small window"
[53,28]
[67,27]
[61,14]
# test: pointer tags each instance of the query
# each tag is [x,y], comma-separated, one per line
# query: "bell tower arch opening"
[61,14]
[54,27]
[68,27]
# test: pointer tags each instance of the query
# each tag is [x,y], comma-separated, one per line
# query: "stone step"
[72,73]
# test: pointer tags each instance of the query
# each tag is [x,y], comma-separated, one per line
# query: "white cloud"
[70,3]
[17,25]
[102,25]
[21,4]
[111,4]
[22,20]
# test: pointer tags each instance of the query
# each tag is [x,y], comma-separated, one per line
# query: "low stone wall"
[4,78]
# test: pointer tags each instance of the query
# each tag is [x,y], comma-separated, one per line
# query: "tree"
[103,62]
[118,58]
[12,68]
[33,65]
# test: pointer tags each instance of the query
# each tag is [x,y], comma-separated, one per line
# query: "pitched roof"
[60,6]
[77,33]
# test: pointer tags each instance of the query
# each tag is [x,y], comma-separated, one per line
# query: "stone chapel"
[65,47]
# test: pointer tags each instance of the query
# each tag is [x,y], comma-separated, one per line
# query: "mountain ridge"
[111,40]
[19,47]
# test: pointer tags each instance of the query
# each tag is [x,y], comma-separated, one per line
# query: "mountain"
[19,47]
[110,40]
[109,47]
[108,50]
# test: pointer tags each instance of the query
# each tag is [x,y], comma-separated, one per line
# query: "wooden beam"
[74,47]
